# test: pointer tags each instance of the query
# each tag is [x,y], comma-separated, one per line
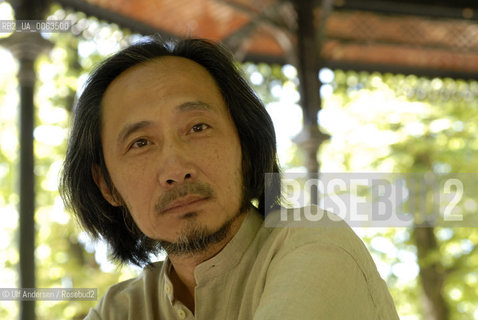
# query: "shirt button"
[168,288]
[181,314]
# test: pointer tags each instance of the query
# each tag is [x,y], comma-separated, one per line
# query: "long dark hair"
[115,224]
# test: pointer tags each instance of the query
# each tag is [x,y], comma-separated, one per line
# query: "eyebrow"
[131,128]
[194,105]
[183,107]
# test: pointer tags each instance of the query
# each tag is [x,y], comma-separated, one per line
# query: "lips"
[184,203]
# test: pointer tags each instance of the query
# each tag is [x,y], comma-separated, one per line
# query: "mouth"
[184,204]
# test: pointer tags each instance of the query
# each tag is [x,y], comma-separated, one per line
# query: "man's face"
[171,149]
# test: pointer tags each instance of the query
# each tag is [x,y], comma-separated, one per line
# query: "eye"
[140,143]
[199,127]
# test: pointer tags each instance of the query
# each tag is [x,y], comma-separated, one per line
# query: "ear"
[103,186]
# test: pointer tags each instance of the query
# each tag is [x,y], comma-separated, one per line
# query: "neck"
[182,274]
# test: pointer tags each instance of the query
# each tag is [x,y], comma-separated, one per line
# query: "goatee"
[195,238]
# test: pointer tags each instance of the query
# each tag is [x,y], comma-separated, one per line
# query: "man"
[168,151]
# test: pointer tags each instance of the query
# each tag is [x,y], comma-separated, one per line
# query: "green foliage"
[420,125]
[263,78]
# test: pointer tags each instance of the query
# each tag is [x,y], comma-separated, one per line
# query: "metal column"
[309,44]
[26,47]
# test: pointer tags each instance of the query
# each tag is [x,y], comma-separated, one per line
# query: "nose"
[176,167]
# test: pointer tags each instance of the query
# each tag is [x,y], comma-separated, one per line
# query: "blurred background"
[352,86]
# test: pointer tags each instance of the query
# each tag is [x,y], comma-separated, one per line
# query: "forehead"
[164,82]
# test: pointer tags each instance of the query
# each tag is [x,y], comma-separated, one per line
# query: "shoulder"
[130,295]
[327,244]
[322,260]
[298,227]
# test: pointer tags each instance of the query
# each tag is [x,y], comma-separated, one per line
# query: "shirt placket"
[178,308]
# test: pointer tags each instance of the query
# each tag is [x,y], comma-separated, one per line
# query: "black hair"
[115,224]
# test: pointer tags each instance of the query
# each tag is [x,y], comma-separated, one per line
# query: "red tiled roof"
[265,29]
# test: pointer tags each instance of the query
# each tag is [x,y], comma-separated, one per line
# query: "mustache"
[191,188]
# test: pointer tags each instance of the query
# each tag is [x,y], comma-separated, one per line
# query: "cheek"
[132,184]
[229,170]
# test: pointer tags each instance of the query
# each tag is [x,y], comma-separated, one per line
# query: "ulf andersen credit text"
[48,294]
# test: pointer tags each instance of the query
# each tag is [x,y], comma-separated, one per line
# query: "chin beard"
[196,238]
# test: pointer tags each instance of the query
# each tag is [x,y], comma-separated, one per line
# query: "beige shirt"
[265,273]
